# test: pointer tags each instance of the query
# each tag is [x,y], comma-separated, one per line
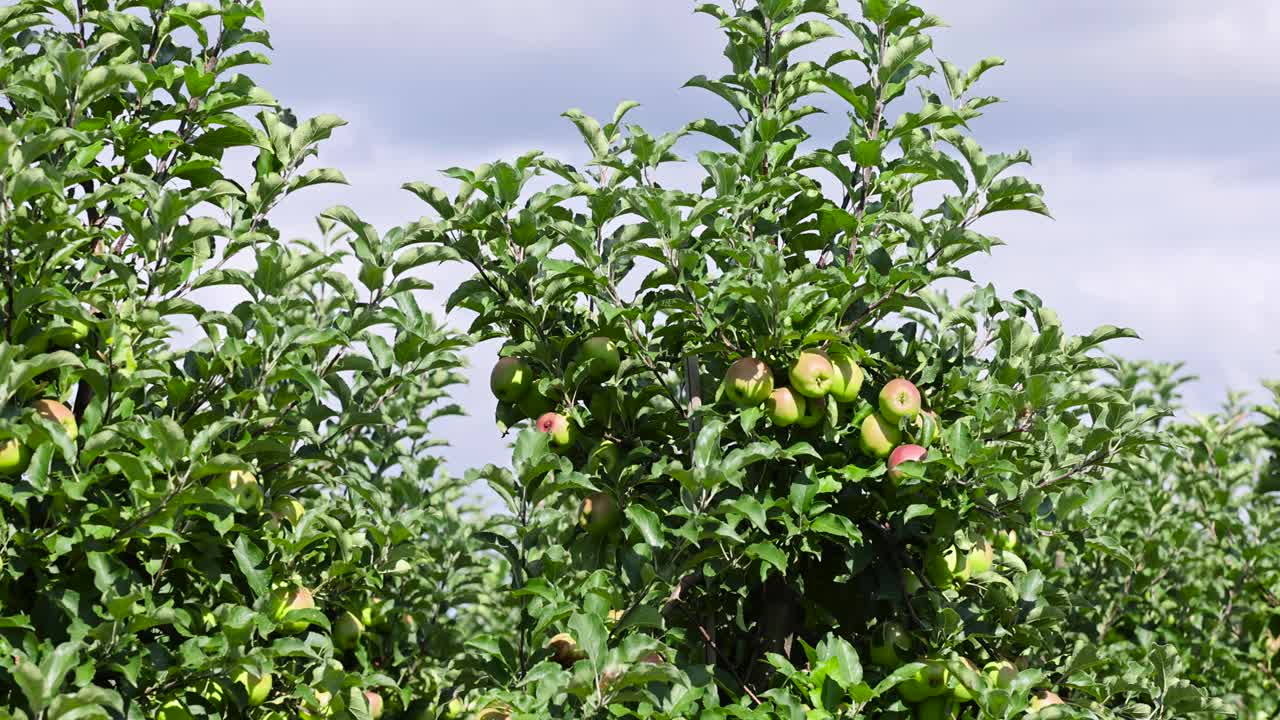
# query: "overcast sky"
[1148,121]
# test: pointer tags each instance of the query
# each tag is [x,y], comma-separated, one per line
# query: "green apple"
[600,354]
[375,704]
[510,379]
[935,677]
[903,454]
[243,485]
[494,713]
[347,630]
[942,566]
[257,686]
[321,709]
[887,643]
[558,428]
[812,374]
[285,601]
[1006,540]
[534,403]
[55,411]
[899,400]
[564,650]
[979,559]
[847,377]
[599,514]
[878,436]
[14,457]
[813,412]
[934,708]
[1041,702]
[748,383]
[174,710]
[605,458]
[784,407]
[289,509]
[1000,675]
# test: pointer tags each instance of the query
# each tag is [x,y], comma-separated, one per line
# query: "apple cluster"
[819,377]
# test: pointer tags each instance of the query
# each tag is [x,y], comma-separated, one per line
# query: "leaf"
[648,523]
[768,553]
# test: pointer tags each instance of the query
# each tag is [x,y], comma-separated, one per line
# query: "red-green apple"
[748,383]
[878,436]
[55,411]
[886,644]
[903,454]
[813,412]
[347,630]
[14,457]
[899,400]
[285,601]
[375,704]
[847,377]
[599,514]
[600,354]
[257,686]
[1041,702]
[784,407]
[558,428]
[510,379]
[812,374]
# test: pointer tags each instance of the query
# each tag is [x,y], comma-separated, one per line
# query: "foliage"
[753,563]
[145,561]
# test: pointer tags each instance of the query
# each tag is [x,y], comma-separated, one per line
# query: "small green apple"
[285,601]
[812,374]
[599,514]
[847,377]
[14,457]
[878,436]
[510,379]
[257,686]
[814,412]
[899,400]
[601,356]
[289,509]
[174,710]
[888,644]
[558,428]
[784,407]
[54,411]
[934,708]
[243,486]
[979,559]
[942,566]
[347,630]
[1000,675]
[1006,540]
[564,650]
[748,383]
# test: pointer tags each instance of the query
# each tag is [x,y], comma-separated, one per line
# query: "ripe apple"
[14,457]
[510,379]
[605,458]
[748,383]
[243,486]
[1043,701]
[289,509]
[285,601]
[878,436]
[375,704]
[941,567]
[847,377]
[600,354]
[55,411]
[812,374]
[347,631]
[257,686]
[784,407]
[886,643]
[558,428]
[902,454]
[564,650]
[979,559]
[1000,675]
[813,412]
[599,514]
[899,399]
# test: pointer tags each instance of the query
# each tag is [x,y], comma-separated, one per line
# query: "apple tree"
[215,445]
[767,462]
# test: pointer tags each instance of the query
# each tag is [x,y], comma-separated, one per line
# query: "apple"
[1043,701]
[813,412]
[599,514]
[605,458]
[243,486]
[749,382]
[564,650]
[934,708]
[258,686]
[812,374]
[846,378]
[14,457]
[64,336]
[289,509]
[902,454]
[558,428]
[878,436]
[55,411]
[375,704]
[888,640]
[601,357]
[174,710]
[510,379]
[1006,540]
[1000,675]
[979,559]
[961,692]
[494,713]
[899,400]
[534,403]
[285,601]
[348,630]
[941,567]
[374,613]
[322,709]
[784,407]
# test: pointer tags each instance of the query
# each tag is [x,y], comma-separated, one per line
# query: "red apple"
[510,379]
[784,407]
[285,601]
[812,374]
[55,411]
[749,382]
[899,399]
[847,377]
[878,436]
[904,453]
[601,356]
[558,428]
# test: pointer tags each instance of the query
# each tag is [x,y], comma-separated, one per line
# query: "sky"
[1146,119]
